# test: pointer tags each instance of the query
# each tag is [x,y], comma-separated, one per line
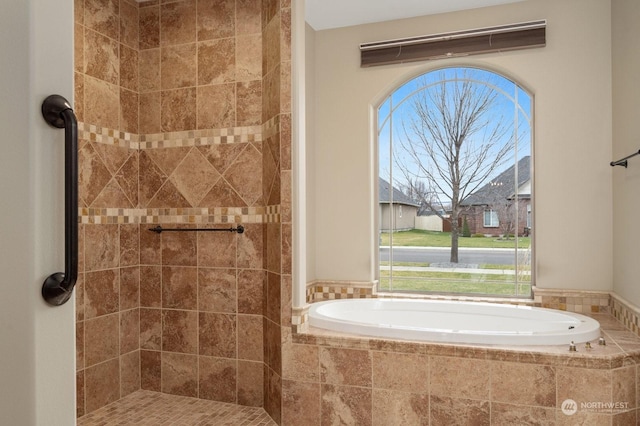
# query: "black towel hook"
[57,112]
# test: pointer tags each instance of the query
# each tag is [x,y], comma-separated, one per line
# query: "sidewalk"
[455,270]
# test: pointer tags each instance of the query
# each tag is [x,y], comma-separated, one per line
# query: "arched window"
[455,151]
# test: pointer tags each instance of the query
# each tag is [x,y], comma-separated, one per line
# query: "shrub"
[477,236]
[465,228]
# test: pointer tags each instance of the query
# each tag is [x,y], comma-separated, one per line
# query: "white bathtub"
[453,322]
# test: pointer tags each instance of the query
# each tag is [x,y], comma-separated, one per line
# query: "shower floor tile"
[154,408]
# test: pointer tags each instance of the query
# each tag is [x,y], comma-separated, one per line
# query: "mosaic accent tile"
[154,409]
[626,313]
[572,301]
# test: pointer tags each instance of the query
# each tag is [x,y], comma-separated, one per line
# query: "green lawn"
[453,282]
[419,238]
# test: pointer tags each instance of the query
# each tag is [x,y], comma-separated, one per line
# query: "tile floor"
[155,409]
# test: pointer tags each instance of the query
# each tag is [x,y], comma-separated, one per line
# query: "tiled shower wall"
[169,96]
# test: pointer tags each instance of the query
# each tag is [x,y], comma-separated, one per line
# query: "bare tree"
[455,141]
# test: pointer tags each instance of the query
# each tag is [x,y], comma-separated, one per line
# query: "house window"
[491,219]
[455,142]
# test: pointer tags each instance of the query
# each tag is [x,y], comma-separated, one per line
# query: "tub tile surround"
[429,382]
[183,121]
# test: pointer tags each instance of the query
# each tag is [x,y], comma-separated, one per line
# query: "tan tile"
[623,381]
[583,385]
[216,19]
[80,394]
[250,344]
[271,93]
[101,247]
[526,384]
[129,373]
[149,70]
[129,24]
[78,11]
[178,109]
[178,23]
[129,331]
[217,335]
[149,20]
[273,395]
[217,250]
[168,196]
[150,113]
[179,248]
[273,302]
[250,247]
[111,195]
[78,48]
[150,183]
[218,379]
[178,66]
[250,291]
[78,96]
[402,372]
[216,106]
[222,194]
[217,290]
[101,58]
[194,177]
[301,362]
[103,16]
[450,411]
[300,403]
[150,286]
[285,87]
[102,294]
[248,16]
[345,405]
[93,175]
[101,103]
[102,384]
[249,57]
[244,175]
[626,418]
[510,414]
[345,367]
[250,383]
[273,346]
[129,245]
[583,418]
[129,67]
[216,61]
[180,374]
[285,138]
[459,377]
[79,297]
[168,159]
[101,339]
[221,156]
[150,329]
[249,103]
[402,408]
[285,34]
[150,370]
[80,345]
[273,247]
[129,102]
[180,331]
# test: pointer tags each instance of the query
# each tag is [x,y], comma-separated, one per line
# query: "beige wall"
[571,81]
[626,182]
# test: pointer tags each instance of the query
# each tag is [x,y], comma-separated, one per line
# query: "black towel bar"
[159,229]
[623,161]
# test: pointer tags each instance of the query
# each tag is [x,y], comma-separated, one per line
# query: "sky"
[392,129]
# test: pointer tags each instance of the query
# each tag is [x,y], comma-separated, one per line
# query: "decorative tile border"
[203,137]
[272,214]
[572,300]
[625,312]
[186,215]
[271,127]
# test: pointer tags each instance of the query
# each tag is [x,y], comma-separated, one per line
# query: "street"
[440,255]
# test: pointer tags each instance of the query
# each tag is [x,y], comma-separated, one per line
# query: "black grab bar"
[57,288]
[623,161]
